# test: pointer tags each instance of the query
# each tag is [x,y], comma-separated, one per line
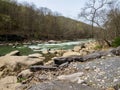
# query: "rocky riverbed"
[82,68]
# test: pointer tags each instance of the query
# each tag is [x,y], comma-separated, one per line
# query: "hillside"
[20,22]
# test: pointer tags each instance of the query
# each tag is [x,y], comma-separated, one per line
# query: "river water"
[57,46]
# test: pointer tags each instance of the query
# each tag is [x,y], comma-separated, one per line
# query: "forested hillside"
[24,21]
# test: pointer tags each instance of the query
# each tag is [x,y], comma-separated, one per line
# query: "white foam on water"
[46,46]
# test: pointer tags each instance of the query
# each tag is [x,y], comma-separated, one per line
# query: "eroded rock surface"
[101,72]
[58,85]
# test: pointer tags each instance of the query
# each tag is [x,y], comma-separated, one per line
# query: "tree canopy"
[30,23]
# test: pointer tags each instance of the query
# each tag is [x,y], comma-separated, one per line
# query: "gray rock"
[61,60]
[114,51]
[64,65]
[102,72]
[91,56]
[40,67]
[117,51]
[58,85]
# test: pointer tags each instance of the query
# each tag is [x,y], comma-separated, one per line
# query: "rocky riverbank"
[82,68]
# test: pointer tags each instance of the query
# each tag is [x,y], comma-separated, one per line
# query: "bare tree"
[92,12]
[96,12]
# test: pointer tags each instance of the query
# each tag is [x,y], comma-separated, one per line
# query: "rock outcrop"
[10,63]
[9,83]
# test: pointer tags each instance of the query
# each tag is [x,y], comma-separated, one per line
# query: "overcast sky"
[69,8]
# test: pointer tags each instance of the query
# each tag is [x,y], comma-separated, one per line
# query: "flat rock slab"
[58,85]
[101,72]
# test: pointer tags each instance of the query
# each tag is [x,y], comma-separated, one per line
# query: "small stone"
[115,80]
[72,77]
[77,48]
[87,68]
[35,55]
[103,57]
[50,62]
[109,55]
[45,52]
[70,53]
[80,81]
[43,77]
[25,73]
[97,70]
[101,73]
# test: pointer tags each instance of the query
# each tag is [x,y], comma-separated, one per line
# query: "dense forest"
[24,21]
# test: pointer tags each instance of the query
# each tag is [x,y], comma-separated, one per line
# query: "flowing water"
[55,46]
[29,49]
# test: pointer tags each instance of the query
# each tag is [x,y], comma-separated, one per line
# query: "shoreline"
[63,66]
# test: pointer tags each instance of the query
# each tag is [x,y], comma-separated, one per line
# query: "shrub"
[98,47]
[116,42]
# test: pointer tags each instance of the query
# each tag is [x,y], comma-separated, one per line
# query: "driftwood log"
[40,67]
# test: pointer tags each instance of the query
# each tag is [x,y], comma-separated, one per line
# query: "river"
[56,46]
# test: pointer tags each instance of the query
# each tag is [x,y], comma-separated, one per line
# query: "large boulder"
[9,83]
[59,85]
[15,63]
[70,53]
